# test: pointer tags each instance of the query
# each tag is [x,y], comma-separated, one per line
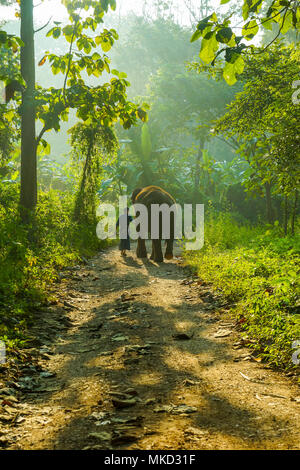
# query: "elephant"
[155,195]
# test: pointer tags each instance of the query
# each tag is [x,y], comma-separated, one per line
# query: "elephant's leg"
[158,255]
[153,251]
[169,249]
[141,251]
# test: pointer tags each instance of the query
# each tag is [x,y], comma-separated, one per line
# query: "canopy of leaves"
[220,38]
[265,115]
[104,104]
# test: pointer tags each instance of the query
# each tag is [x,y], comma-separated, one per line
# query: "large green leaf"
[231,69]
[250,29]
[209,47]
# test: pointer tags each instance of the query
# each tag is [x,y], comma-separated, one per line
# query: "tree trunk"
[197,169]
[81,213]
[28,198]
[294,212]
[285,214]
[269,208]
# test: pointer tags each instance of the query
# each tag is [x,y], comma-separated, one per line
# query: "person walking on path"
[123,224]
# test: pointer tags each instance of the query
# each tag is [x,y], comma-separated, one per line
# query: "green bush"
[31,257]
[258,271]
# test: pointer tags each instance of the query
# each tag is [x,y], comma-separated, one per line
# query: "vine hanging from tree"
[92,146]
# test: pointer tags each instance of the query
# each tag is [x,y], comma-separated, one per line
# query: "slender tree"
[28,143]
[104,104]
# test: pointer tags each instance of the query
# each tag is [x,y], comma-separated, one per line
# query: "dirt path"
[136,357]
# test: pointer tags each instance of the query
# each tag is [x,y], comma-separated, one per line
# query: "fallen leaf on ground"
[273,395]
[296,399]
[190,383]
[163,409]
[6,418]
[222,333]
[119,337]
[124,437]
[131,391]
[137,420]
[99,416]
[123,403]
[180,409]
[245,377]
[195,431]
[102,436]
[150,401]
[47,374]
[19,420]
[184,409]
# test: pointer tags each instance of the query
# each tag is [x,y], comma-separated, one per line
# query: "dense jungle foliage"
[185,101]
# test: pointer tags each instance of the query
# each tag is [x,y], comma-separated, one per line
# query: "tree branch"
[40,29]
[40,135]
[69,62]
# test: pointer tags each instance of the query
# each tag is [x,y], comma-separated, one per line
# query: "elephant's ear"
[135,193]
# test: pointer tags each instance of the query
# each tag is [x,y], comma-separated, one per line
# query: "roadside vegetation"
[33,259]
[257,270]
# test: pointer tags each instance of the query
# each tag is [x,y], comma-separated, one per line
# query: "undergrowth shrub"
[30,257]
[258,271]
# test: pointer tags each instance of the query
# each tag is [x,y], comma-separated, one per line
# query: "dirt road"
[134,355]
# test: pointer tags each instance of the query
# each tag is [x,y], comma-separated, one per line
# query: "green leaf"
[106,67]
[142,115]
[287,22]
[106,46]
[9,115]
[224,35]
[231,69]
[250,29]
[55,32]
[268,24]
[245,9]
[68,32]
[209,47]
[239,65]
[3,37]
[197,34]
[113,4]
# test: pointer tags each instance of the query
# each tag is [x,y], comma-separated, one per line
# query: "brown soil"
[145,359]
